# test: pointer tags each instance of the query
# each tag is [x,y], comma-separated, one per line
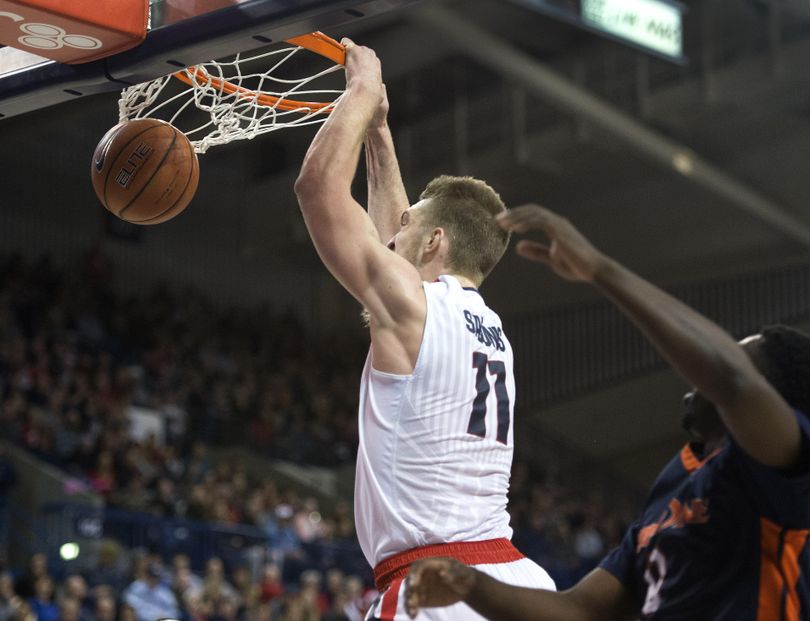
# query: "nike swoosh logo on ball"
[100,160]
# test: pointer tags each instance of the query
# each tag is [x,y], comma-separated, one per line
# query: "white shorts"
[390,605]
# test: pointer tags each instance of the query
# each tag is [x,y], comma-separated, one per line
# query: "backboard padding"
[183,33]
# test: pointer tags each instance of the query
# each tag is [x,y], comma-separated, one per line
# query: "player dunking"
[723,534]
[437,391]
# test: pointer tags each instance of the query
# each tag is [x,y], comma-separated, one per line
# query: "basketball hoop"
[240,104]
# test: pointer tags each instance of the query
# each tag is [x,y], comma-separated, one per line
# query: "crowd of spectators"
[565,526]
[146,588]
[75,356]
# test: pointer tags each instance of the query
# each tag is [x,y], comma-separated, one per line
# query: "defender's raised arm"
[755,414]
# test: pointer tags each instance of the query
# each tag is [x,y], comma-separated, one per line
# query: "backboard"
[181,33]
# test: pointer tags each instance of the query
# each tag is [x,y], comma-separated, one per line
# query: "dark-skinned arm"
[599,596]
[755,414]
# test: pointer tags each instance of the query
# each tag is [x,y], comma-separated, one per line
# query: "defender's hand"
[568,252]
[363,70]
[437,582]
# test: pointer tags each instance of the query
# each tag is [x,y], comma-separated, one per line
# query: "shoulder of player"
[392,283]
[397,301]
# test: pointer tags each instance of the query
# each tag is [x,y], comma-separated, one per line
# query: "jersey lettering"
[486,335]
[654,575]
[677,515]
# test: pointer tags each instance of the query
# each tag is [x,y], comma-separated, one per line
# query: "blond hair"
[466,208]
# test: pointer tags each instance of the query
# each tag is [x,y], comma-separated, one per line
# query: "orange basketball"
[145,171]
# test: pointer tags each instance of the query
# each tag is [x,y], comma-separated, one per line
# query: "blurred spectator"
[43,604]
[337,609]
[588,541]
[183,579]
[74,588]
[7,596]
[284,537]
[335,583]
[307,521]
[102,478]
[8,477]
[270,587]
[105,609]
[70,609]
[247,590]
[358,599]
[127,613]
[226,610]
[310,591]
[196,608]
[300,607]
[37,568]
[150,598]
[24,612]
[109,569]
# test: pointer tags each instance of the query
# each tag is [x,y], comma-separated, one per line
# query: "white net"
[237,104]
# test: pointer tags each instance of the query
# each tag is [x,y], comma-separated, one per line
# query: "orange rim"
[316,42]
[321,44]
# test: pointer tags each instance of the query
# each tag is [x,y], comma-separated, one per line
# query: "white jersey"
[436,446]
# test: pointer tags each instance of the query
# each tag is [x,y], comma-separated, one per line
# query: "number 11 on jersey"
[478,424]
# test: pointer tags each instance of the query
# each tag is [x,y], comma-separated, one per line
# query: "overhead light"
[69,551]
[683,162]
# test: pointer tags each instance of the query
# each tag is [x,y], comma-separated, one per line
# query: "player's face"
[407,243]
[700,418]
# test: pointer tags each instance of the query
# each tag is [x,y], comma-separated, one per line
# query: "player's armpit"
[348,244]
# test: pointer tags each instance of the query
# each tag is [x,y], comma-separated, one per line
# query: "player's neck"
[464,281]
[429,275]
[710,438]
[714,442]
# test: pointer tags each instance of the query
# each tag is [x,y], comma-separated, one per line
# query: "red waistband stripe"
[390,601]
[487,552]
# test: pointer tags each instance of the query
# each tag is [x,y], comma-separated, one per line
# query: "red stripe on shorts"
[388,609]
[486,552]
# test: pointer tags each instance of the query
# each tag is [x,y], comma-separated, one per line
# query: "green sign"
[651,24]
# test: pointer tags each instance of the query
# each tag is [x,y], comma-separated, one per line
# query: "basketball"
[145,171]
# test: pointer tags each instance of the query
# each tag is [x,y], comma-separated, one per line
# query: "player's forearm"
[331,161]
[703,353]
[387,198]
[502,602]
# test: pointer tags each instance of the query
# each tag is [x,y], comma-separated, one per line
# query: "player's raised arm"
[755,414]
[443,581]
[387,198]
[344,235]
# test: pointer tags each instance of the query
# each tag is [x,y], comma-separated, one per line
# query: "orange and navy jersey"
[722,537]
